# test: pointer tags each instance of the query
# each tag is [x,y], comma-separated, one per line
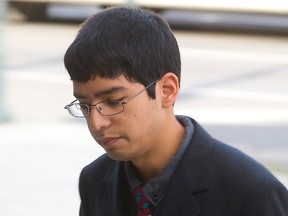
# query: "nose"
[97,122]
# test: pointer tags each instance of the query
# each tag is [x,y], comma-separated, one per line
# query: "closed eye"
[112,103]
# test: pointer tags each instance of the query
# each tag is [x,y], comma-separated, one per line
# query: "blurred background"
[234,83]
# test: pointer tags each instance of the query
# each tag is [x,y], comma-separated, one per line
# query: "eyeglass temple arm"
[71,103]
[129,99]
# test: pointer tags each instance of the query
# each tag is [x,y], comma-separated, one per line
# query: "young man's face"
[131,134]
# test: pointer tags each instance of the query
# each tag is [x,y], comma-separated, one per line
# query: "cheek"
[145,120]
[141,121]
[134,126]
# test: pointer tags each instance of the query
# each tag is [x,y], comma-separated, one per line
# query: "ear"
[169,86]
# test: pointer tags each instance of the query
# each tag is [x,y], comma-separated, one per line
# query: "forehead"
[100,87]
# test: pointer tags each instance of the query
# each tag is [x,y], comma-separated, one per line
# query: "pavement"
[40,165]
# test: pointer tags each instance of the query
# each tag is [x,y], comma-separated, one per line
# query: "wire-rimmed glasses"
[105,108]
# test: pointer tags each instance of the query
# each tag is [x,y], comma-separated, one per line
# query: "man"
[125,67]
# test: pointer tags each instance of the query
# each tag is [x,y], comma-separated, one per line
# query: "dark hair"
[134,42]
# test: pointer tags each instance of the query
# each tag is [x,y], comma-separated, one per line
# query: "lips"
[109,142]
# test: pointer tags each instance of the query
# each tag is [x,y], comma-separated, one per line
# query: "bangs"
[84,62]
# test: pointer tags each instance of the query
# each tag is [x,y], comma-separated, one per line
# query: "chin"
[118,157]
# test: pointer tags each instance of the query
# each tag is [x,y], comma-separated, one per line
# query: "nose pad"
[96,121]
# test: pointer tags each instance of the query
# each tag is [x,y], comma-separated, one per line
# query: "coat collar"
[196,162]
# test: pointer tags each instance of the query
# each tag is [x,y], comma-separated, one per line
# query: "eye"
[112,103]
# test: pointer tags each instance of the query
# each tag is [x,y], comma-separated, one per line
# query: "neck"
[164,150]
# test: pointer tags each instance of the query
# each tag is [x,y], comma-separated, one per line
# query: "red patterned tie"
[143,205]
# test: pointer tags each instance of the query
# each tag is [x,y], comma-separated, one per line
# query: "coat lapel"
[179,201]
[116,198]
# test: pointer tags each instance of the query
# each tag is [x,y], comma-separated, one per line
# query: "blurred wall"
[3,113]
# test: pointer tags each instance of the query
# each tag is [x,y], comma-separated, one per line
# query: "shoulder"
[236,178]
[226,165]
[225,159]
[237,164]
[247,184]
[235,172]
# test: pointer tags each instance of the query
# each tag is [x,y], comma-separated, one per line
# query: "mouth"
[109,142]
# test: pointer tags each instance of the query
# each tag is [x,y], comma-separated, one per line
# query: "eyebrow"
[104,92]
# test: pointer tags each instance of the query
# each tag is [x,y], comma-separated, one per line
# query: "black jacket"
[212,179]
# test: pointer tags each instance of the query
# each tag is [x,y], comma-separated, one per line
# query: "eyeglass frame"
[89,107]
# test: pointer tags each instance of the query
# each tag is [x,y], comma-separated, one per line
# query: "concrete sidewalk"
[40,163]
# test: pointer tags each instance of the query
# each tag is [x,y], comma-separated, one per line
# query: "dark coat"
[212,179]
